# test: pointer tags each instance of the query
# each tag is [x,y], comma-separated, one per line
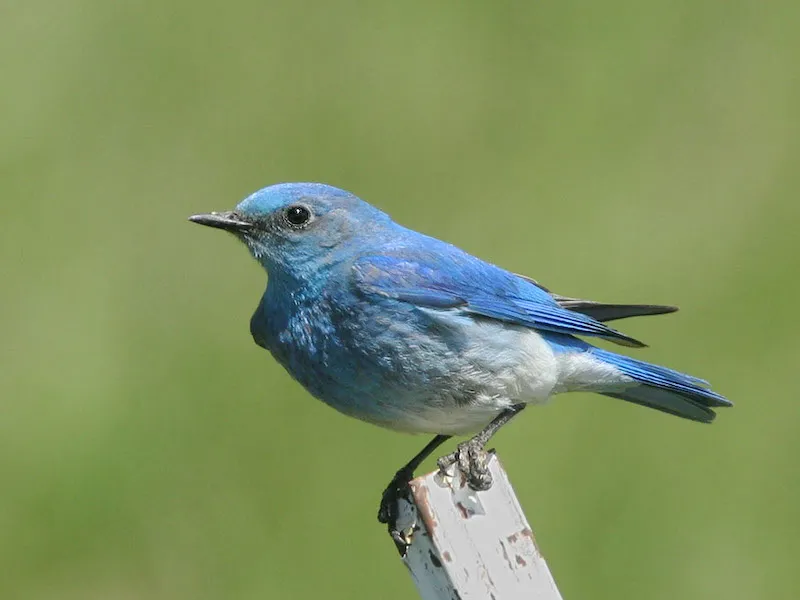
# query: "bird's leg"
[398,488]
[471,457]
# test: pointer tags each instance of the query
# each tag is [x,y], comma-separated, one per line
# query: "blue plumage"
[386,324]
[446,277]
[664,389]
[400,329]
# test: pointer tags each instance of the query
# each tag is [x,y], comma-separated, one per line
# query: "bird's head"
[298,228]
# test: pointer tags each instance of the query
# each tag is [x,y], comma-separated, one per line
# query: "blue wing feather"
[455,280]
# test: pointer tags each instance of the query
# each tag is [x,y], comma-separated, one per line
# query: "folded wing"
[462,282]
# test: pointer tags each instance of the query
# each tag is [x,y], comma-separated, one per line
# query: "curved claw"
[472,460]
[397,488]
[388,512]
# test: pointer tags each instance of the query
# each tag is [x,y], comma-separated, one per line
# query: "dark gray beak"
[228,221]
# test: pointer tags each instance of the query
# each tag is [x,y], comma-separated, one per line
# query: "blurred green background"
[629,151]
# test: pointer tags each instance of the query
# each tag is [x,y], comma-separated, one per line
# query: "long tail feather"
[664,389]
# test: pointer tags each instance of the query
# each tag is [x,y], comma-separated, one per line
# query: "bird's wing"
[462,282]
[610,312]
[603,311]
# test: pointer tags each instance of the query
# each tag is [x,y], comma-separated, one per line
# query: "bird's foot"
[473,461]
[389,511]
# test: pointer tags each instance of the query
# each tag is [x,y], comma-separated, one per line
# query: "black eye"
[298,215]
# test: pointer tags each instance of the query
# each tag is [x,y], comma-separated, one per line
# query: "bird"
[408,332]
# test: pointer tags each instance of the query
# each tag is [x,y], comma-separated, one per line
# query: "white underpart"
[583,372]
[512,365]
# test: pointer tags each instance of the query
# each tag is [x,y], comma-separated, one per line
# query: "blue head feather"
[301,251]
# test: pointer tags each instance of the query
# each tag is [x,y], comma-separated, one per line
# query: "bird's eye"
[297,215]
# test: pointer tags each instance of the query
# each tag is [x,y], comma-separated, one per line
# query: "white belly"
[502,365]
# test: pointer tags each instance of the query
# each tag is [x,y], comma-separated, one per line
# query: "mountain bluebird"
[408,332]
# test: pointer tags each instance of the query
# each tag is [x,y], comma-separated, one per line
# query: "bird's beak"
[228,221]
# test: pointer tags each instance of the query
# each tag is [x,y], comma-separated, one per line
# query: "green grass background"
[620,150]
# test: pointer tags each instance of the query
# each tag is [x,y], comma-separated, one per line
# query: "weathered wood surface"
[466,545]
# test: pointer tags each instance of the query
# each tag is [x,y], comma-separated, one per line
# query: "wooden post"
[466,545]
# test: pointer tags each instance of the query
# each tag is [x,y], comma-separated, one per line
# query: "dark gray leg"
[470,456]
[398,488]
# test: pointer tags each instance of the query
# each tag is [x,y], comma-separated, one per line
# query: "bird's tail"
[664,389]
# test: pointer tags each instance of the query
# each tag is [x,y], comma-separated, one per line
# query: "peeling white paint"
[467,545]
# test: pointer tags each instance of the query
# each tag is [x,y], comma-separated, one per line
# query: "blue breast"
[369,359]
